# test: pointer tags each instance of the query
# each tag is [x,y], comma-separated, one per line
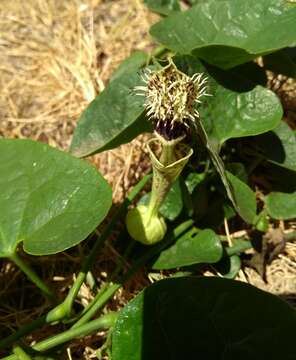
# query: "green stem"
[103,296]
[24,330]
[20,353]
[91,258]
[161,184]
[157,52]
[64,309]
[104,322]
[31,274]
[239,246]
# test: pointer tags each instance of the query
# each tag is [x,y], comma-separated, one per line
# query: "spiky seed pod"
[171,98]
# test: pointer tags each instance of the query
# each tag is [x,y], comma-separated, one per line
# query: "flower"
[145,227]
[171,98]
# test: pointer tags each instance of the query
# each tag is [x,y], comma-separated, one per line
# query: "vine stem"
[102,297]
[21,354]
[31,274]
[160,183]
[104,322]
[100,242]
[64,309]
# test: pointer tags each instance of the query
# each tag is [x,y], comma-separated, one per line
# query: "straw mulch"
[56,56]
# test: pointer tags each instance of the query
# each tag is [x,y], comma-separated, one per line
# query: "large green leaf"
[204,318]
[279,146]
[228,114]
[228,33]
[281,206]
[49,200]
[194,247]
[109,120]
[163,7]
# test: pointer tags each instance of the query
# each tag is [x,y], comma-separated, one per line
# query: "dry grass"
[56,56]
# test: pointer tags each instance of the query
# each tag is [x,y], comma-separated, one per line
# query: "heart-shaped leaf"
[204,318]
[279,146]
[228,114]
[228,33]
[112,119]
[281,206]
[49,200]
[194,247]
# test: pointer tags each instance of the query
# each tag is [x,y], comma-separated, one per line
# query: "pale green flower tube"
[144,223]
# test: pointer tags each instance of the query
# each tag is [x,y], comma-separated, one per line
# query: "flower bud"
[145,227]
[172,98]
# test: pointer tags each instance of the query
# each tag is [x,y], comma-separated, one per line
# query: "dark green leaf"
[241,78]
[229,114]
[238,169]
[163,7]
[108,121]
[245,198]
[281,206]
[279,146]
[228,33]
[49,200]
[204,318]
[194,247]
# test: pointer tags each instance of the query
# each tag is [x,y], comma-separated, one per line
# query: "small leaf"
[204,318]
[228,33]
[194,247]
[193,180]
[163,7]
[229,267]
[235,266]
[279,146]
[245,198]
[281,206]
[239,170]
[111,119]
[50,200]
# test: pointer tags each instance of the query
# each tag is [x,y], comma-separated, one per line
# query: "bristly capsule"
[171,98]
